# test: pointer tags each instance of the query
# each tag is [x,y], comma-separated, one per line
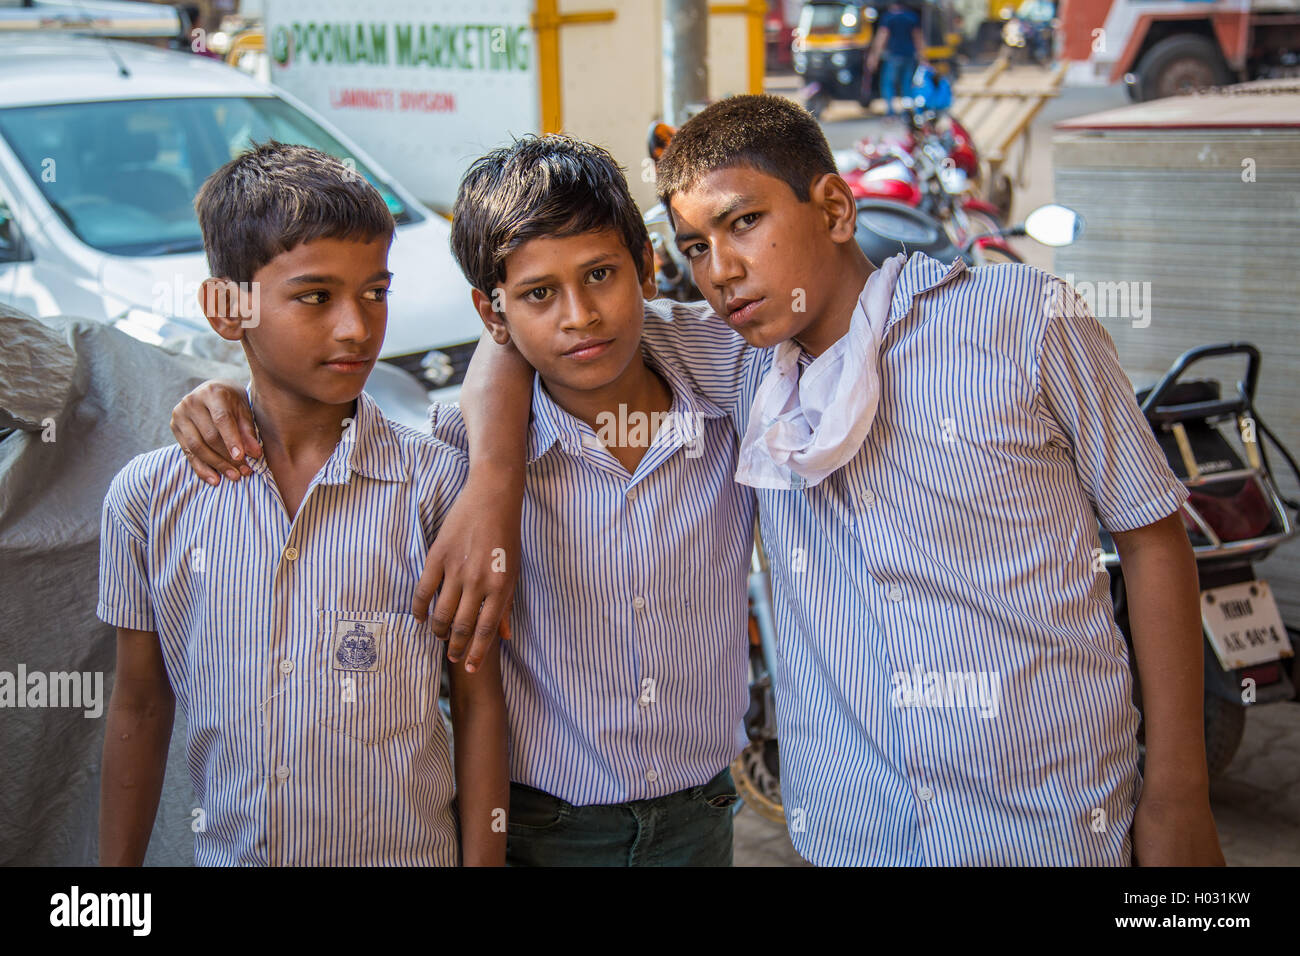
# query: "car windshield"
[122,174]
[833,18]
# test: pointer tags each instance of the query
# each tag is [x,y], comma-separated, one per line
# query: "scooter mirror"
[1054,225]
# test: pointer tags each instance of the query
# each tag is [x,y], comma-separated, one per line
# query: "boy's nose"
[352,323]
[724,267]
[580,312]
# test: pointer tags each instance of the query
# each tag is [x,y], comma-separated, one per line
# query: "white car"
[103,146]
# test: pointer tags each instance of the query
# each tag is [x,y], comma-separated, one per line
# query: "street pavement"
[1256,801]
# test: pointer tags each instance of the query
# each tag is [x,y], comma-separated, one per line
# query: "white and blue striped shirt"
[952,686]
[310,691]
[626,675]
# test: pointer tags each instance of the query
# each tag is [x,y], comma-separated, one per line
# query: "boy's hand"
[214,425]
[473,566]
[1175,831]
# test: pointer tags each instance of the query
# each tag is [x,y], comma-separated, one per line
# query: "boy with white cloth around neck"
[954,541]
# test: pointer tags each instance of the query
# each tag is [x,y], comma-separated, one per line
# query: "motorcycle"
[935,168]
[1235,517]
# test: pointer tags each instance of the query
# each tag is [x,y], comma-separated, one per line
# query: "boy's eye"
[694,249]
[748,219]
[379,295]
[600,273]
[314,298]
[540,294]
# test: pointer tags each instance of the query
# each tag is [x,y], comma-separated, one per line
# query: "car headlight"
[838,59]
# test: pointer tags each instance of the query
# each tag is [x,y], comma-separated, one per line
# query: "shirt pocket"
[379,672]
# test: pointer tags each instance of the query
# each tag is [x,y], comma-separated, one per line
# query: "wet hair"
[554,186]
[276,196]
[768,134]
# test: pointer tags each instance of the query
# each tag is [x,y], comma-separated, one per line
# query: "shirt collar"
[367,446]
[553,426]
[920,274]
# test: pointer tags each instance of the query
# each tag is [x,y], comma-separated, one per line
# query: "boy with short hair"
[930,459]
[626,674]
[276,609]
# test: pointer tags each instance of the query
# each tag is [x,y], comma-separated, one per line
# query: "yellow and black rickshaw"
[833,36]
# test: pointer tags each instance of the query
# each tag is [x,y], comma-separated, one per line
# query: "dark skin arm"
[474,561]
[136,736]
[478,713]
[1173,825]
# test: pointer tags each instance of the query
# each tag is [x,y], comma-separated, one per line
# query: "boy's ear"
[493,313]
[219,301]
[833,195]
[649,288]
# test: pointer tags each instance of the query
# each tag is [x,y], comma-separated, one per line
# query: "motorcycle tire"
[1225,722]
[759,787]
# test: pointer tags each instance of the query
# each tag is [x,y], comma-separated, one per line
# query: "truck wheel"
[1180,64]
[1224,724]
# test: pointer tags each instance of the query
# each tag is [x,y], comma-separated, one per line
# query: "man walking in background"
[898,34]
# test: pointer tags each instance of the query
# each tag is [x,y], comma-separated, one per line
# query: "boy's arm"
[136,736]
[474,562]
[214,426]
[1173,825]
[478,713]
[1137,497]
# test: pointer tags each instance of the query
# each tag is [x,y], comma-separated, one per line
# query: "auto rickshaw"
[832,39]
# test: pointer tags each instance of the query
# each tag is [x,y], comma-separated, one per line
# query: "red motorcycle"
[933,167]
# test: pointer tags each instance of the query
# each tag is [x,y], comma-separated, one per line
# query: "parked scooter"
[1235,518]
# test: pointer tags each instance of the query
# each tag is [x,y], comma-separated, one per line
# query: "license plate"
[1243,625]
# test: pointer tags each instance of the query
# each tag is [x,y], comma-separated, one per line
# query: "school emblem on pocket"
[356,645]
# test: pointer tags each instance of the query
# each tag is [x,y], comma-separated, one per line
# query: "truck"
[1163,48]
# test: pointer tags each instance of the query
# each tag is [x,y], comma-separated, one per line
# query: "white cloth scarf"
[803,427]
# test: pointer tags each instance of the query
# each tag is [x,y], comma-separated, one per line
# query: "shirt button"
[651,775]
[282,772]
[926,794]
[868,497]
[638,602]
[291,554]
[286,667]
[631,494]
[895,593]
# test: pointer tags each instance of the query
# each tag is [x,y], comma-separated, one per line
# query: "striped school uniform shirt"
[952,687]
[626,674]
[310,691]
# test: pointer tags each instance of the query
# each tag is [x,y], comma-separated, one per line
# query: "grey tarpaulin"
[78,399]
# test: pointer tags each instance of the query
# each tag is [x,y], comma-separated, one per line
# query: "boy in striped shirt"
[626,674]
[276,610]
[932,448]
